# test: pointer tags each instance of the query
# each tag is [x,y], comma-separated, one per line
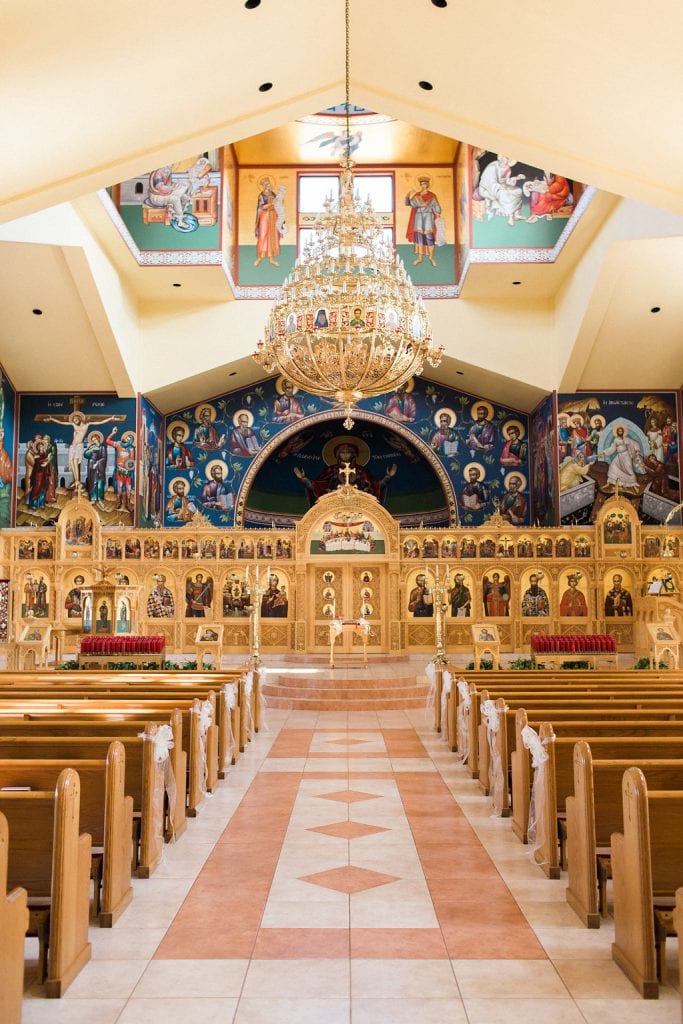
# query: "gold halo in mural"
[452,418]
[174,425]
[482,404]
[362,448]
[508,477]
[598,422]
[367,610]
[243,412]
[473,465]
[514,423]
[328,576]
[129,434]
[200,409]
[174,481]
[95,437]
[215,462]
[279,385]
[366,576]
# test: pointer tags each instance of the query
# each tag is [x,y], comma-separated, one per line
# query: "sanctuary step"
[339,690]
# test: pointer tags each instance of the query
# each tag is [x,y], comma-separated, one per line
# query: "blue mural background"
[543,460]
[209,448]
[46,434]
[150,471]
[624,438]
[7,406]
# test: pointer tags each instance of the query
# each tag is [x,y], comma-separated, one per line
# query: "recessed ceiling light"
[37,312]
[265,87]
[460,373]
[427,86]
[440,3]
[176,284]
[233,374]
[516,282]
[655,309]
[251,4]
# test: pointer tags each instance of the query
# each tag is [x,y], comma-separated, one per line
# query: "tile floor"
[349,871]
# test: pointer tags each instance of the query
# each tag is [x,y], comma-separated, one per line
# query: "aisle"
[359,878]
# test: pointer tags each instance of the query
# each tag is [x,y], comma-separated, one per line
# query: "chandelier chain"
[347,324]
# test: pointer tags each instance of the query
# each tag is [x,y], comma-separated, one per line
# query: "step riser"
[342,693]
[313,704]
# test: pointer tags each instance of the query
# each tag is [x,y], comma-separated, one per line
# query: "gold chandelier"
[347,324]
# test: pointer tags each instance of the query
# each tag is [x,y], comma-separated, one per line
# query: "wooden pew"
[559,773]
[106,813]
[595,811]
[13,925]
[144,778]
[159,684]
[202,752]
[51,860]
[590,727]
[678,924]
[647,866]
[105,724]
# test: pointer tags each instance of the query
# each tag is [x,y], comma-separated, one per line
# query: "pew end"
[14,919]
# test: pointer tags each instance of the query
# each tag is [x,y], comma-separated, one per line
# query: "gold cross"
[346,472]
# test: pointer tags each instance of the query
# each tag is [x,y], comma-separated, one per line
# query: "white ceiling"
[93,93]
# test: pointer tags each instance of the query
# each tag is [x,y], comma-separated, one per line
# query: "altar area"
[418,590]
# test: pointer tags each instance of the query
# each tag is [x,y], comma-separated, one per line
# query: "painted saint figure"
[243,440]
[499,189]
[160,604]
[287,408]
[421,599]
[72,601]
[198,596]
[124,470]
[268,224]
[178,454]
[460,597]
[573,602]
[535,600]
[95,453]
[618,601]
[274,603]
[497,595]
[422,224]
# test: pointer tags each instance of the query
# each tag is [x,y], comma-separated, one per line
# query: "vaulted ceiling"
[94,93]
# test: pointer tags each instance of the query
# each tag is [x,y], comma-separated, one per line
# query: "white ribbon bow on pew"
[229,703]
[430,672]
[446,688]
[492,716]
[539,758]
[263,674]
[463,727]
[163,743]
[205,714]
[248,689]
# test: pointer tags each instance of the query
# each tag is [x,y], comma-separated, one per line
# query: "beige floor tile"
[306,914]
[588,979]
[298,979]
[178,1011]
[523,1011]
[114,979]
[394,914]
[408,1011]
[253,1010]
[501,979]
[394,979]
[630,1011]
[574,942]
[81,1011]
[125,943]
[184,979]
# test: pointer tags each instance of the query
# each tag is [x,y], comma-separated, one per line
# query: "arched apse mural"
[477,449]
[299,468]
